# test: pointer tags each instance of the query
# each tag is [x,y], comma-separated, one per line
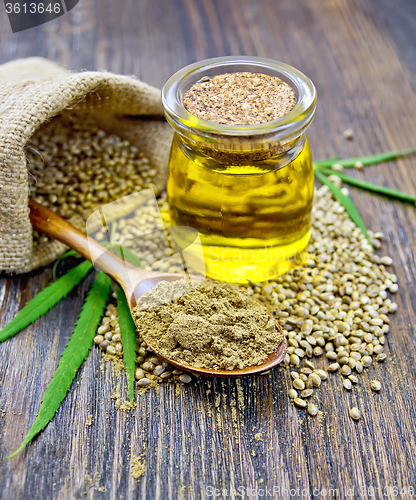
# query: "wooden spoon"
[133,280]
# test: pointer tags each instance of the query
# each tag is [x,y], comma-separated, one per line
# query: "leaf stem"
[369,186]
[128,337]
[367,160]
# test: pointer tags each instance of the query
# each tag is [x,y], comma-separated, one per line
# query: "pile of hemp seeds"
[75,167]
[333,310]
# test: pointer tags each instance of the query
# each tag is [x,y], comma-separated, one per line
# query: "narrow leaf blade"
[346,202]
[128,336]
[369,186]
[368,160]
[45,300]
[331,161]
[74,354]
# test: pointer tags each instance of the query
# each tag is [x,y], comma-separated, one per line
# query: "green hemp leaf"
[128,337]
[323,169]
[74,354]
[45,300]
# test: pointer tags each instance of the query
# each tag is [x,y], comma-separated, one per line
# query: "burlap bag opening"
[32,92]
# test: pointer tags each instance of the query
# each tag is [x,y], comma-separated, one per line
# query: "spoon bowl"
[134,281]
[271,361]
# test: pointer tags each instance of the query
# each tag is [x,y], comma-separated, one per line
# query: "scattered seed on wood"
[366,361]
[346,370]
[299,384]
[323,375]
[333,367]
[292,393]
[316,379]
[143,382]
[347,384]
[355,413]
[98,339]
[375,385]
[300,402]
[312,410]
[348,134]
[306,393]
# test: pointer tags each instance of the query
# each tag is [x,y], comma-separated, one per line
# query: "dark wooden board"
[361,56]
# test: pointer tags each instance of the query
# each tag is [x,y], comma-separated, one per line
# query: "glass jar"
[247,189]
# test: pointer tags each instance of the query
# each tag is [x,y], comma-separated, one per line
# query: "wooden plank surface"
[361,56]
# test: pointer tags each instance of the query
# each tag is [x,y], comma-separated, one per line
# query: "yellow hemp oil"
[253,222]
[240,168]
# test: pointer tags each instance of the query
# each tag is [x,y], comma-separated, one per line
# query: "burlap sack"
[34,90]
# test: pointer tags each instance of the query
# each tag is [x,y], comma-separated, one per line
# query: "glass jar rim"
[293,123]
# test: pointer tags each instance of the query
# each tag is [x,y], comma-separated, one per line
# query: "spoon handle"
[51,224]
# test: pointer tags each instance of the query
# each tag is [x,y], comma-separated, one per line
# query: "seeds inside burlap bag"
[35,92]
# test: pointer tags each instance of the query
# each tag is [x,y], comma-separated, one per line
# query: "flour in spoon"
[215,325]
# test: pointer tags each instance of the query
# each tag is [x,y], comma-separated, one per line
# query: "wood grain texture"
[361,56]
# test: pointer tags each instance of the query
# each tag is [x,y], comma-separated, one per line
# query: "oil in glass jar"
[240,168]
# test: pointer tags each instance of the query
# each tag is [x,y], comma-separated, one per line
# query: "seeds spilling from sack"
[75,167]
[145,235]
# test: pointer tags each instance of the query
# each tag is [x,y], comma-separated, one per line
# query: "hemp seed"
[299,384]
[312,410]
[316,379]
[333,368]
[143,382]
[347,384]
[355,413]
[323,375]
[292,394]
[300,402]
[306,393]
[185,378]
[375,385]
